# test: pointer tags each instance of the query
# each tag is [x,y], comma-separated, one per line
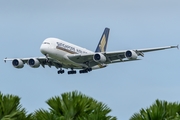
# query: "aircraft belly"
[60,56]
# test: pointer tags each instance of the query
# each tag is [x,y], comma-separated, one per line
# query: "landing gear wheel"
[85,70]
[89,69]
[60,71]
[72,72]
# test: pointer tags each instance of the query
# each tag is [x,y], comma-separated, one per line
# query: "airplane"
[65,55]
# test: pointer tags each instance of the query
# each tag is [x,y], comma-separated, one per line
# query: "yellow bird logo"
[103,43]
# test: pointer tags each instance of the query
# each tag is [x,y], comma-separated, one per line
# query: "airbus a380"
[62,54]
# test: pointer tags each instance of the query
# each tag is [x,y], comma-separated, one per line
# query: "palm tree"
[99,112]
[44,115]
[160,110]
[10,108]
[74,106]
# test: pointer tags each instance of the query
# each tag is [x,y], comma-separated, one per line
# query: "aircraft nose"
[43,49]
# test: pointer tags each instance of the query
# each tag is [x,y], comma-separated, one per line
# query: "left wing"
[115,56]
[34,62]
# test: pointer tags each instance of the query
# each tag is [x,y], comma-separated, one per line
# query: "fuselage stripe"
[61,48]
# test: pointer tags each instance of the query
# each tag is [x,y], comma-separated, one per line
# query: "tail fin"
[103,41]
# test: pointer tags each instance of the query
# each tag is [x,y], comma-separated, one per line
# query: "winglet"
[103,41]
[5,59]
[177,46]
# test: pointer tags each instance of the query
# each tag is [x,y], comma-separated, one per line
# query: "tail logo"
[101,47]
[102,44]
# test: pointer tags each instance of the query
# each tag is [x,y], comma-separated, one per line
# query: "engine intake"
[130,54]
[33,62]
[18,63]
[98,57]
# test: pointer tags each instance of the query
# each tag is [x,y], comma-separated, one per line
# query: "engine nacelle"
[130,54]
[33,62]
[98,57]
[18,63]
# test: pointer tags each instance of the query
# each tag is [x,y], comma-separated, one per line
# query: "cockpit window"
[46,43]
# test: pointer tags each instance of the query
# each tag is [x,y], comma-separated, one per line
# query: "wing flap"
[127,60]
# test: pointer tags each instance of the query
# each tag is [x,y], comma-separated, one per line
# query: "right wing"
[111,56]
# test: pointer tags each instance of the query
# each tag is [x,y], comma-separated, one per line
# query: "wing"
[111,57]
[37,61]
[115,56]
[158,48]
[139,52]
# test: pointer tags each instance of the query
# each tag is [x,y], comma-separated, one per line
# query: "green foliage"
[74,106]
[160,110]
[44,115]
[68,106]
[10,108]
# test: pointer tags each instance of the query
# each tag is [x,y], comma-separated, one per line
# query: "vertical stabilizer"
[103,41]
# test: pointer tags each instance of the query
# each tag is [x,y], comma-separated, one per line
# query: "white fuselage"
[59,49]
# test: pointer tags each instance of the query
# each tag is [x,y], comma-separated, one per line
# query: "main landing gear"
[60,71]
[85,70]
[69,72]
[74,72]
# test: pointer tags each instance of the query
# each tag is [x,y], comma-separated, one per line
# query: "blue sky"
[124,87]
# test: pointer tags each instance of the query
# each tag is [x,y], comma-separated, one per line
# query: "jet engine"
[130,54]
[33,62]
[98,57]
[18,63]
